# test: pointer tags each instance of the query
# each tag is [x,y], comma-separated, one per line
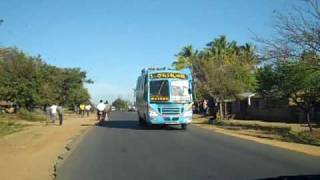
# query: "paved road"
[121,150]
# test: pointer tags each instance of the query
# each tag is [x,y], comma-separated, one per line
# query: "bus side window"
[138,84]
[145,90]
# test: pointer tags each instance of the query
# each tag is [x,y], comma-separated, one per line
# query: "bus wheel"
[183,126]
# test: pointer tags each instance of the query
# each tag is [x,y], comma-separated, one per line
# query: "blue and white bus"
[164,96]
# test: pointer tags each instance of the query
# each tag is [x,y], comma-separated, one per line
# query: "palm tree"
[185,58]
[226,66]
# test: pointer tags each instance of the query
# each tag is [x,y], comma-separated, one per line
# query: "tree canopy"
[28,81]
[290,65]
[294,71]
[120,104]
[222,70]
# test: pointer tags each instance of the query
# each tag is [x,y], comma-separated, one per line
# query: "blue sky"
[114,39]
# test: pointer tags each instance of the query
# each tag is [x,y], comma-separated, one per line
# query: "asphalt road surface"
[121,150]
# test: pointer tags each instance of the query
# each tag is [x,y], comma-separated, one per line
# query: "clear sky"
[114,39]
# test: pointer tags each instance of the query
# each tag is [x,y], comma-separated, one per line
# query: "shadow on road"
[87,125]
[123,124]
[299,177]
[127,124]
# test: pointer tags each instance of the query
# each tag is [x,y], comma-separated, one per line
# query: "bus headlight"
[153,113]
[187,114]
[188,111]
[189,107]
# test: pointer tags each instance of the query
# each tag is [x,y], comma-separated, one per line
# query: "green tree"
[120,104]
[301,85]
[18,77]
[267,82]
[225,69]
[295,55]
[292,80]
[185,58]
[28,81]
[222,70]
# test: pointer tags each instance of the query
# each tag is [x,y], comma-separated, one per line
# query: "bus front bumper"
[170,120]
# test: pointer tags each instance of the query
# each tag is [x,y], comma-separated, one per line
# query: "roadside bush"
[31,116]
[304,137]
[286,133]
[271,129]
[120,104]
[1,111]
[10,127]
[25,114]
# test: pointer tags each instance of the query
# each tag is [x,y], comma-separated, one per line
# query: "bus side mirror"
[189,90]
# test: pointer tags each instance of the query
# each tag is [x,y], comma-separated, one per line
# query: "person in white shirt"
[48,113]
[101,110]
[53,109]
[87,109]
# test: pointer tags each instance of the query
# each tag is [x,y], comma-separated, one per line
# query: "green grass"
[304,137]
[31,116]
[9,127]
[9,123]
[286,133]
[271,129]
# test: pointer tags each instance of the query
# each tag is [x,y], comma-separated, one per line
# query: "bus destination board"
[168,75]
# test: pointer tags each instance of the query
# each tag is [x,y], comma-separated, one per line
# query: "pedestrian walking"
[53,113]
[88,109]
[48,113]
[60,114]
[82,108]
[201,107]
[205,107]
[198,107]
[76,109]
[107,110]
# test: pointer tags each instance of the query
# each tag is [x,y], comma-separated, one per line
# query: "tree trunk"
[221,110]
[308,121]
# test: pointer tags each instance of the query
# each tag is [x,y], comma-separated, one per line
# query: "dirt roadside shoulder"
[31,154]
[303,148]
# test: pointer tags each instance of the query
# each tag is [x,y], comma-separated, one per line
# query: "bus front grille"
[170,110]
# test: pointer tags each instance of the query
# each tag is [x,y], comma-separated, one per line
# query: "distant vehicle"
[113,108]
[164,96]
[132,108]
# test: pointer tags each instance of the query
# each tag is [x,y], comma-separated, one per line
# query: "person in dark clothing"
[60,114]
[200,107]
[205,107]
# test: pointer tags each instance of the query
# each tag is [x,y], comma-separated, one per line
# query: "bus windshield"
[159,90]
[180,91]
